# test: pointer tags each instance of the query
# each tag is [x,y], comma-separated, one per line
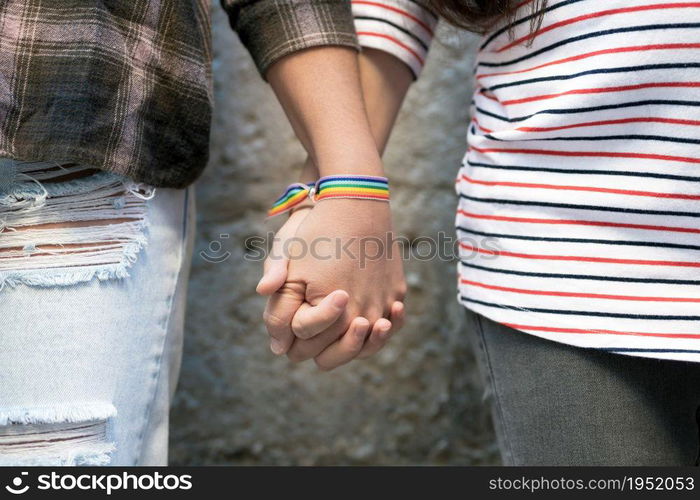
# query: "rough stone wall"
[420,400]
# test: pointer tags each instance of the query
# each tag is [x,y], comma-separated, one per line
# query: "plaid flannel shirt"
[125,86]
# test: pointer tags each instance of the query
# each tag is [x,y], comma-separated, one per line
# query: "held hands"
[335,285]
[340,294]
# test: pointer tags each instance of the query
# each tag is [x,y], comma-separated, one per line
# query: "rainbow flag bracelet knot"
[333,186]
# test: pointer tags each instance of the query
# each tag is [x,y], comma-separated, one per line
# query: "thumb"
[310,320]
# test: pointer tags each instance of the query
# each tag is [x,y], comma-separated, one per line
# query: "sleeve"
[271,29]
[403,28]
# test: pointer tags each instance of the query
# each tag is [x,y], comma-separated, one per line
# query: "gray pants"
[555,404]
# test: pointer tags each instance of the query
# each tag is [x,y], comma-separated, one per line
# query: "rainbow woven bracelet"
[294,194]
[332,186]
[352,186]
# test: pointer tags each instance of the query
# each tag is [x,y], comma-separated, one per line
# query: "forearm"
[320,91]
[384,81]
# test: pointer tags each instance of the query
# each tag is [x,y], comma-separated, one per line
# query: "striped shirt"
[579,195]
[403,28]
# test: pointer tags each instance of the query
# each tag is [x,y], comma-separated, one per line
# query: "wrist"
[348,218]
[309,172]
[301,207]
[351,162]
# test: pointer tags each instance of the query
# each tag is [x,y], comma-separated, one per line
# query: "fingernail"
[340,300]
[276,347]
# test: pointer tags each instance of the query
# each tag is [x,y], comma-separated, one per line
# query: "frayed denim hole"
[57,436]
[104,223]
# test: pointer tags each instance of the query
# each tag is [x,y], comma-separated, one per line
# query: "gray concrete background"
[419,401]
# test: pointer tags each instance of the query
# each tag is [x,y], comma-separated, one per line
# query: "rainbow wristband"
[333,186]
[295,194]
[352,186]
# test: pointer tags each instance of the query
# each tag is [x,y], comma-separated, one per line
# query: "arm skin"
[321,93]
[385,81]
[336,131]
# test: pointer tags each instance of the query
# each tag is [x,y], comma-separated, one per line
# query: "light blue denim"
[104,349]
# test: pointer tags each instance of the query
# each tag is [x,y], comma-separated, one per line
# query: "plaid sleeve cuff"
[403,28]
[272,29]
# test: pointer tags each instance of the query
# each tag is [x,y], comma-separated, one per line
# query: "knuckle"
[273,321]
[292,289]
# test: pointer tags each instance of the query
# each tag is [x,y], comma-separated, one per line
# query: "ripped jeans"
[93,278]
